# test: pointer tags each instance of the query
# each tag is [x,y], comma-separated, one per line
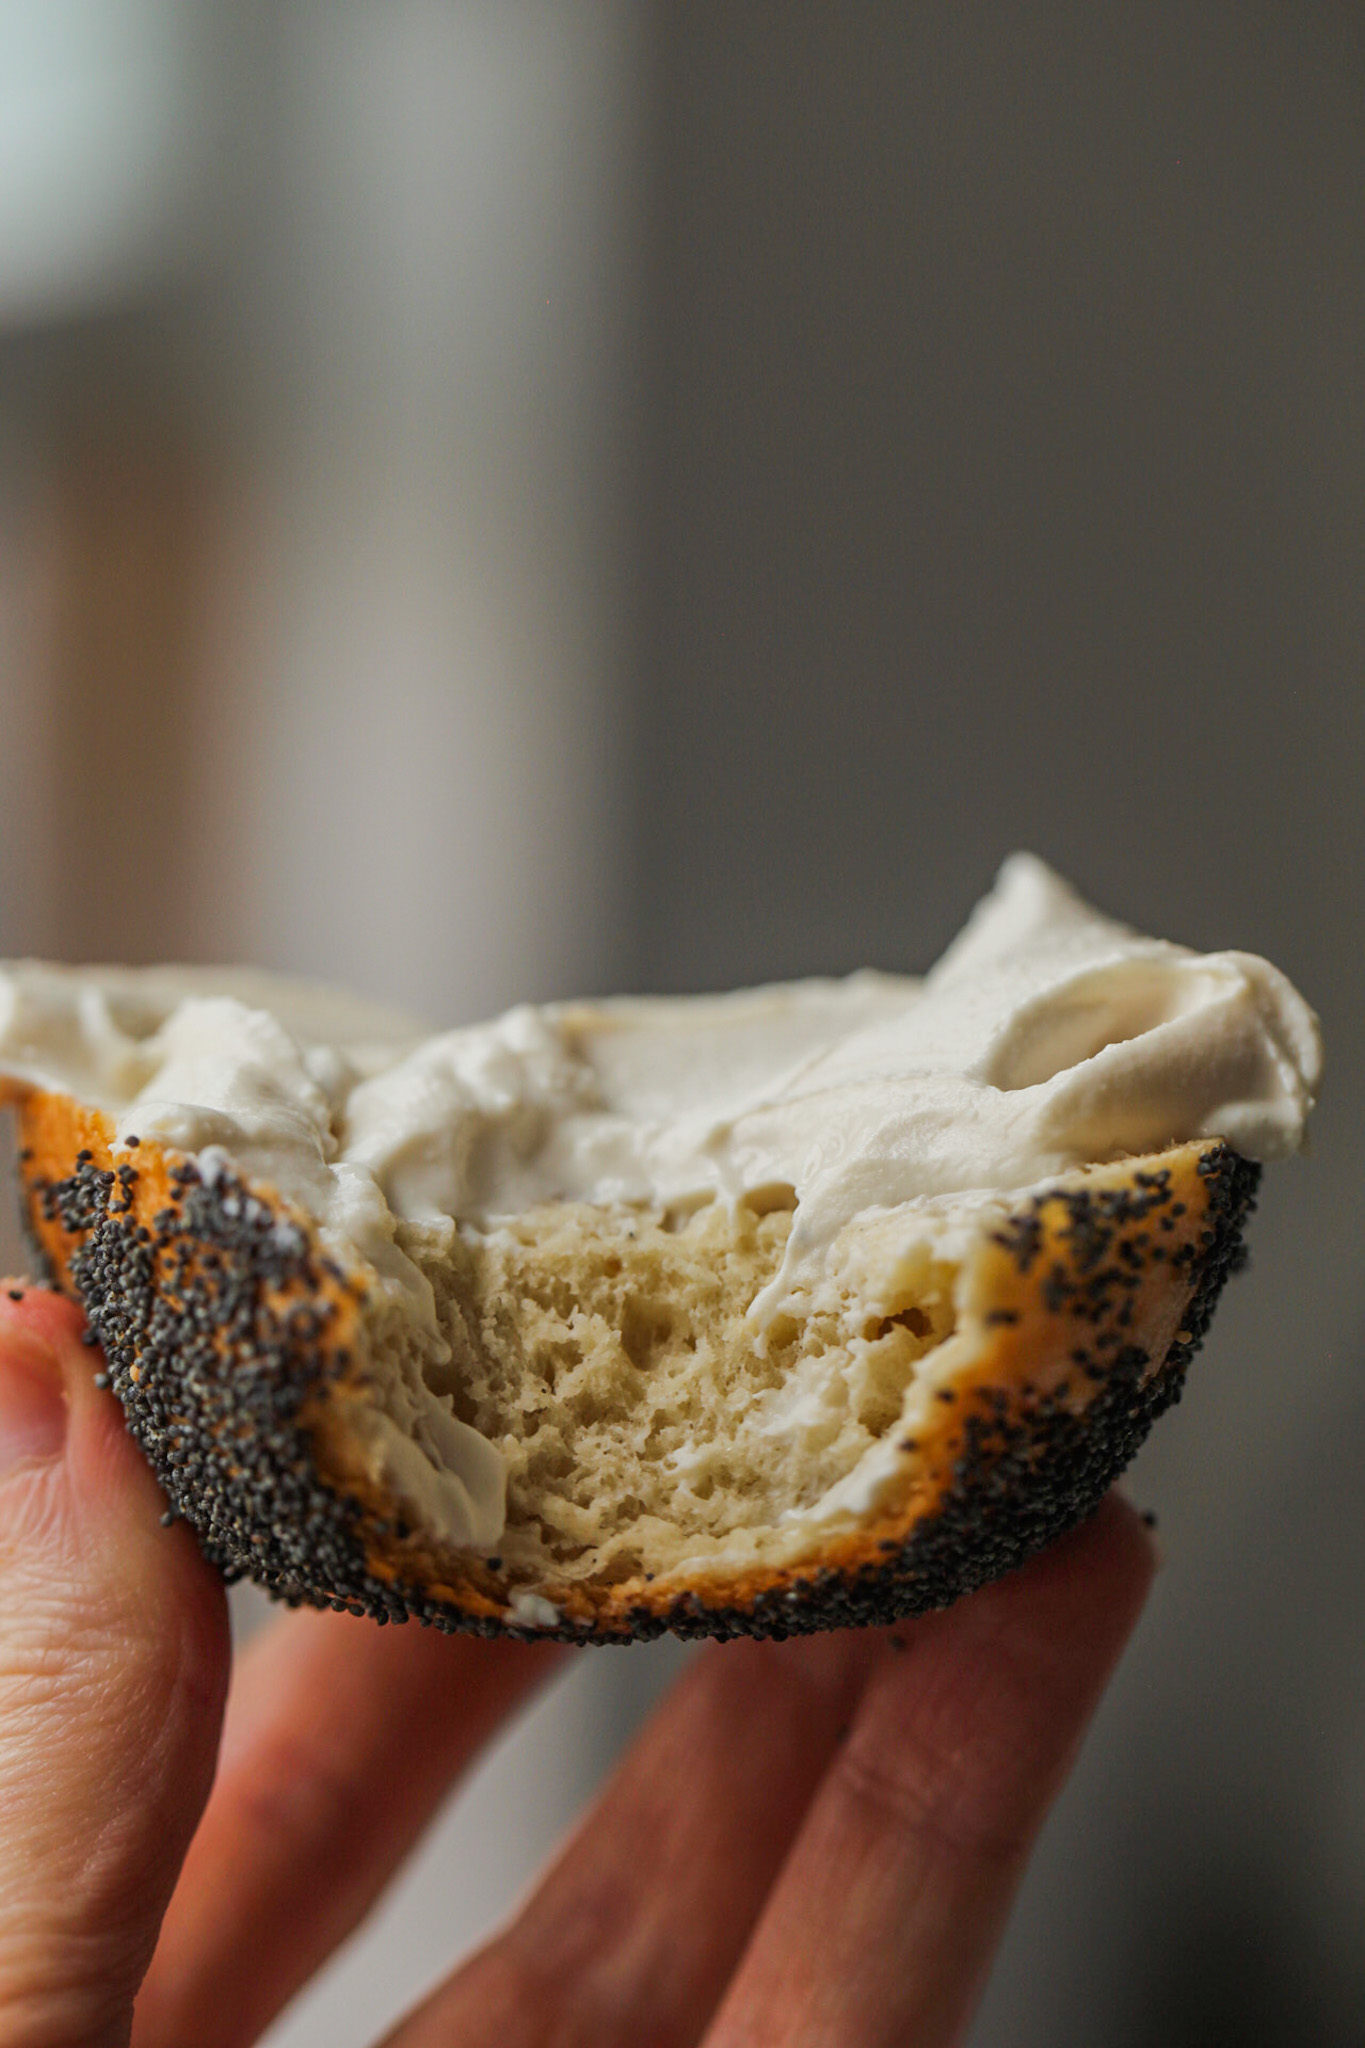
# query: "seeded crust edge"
[236,1347]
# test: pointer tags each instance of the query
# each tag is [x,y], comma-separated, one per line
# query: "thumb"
[113,1667]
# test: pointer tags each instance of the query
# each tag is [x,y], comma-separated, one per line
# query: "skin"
[811,1842]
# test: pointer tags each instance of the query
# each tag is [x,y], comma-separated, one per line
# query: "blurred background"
[513,498]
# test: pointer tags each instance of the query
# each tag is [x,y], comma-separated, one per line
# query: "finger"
[341,1740]
[634,1933]
[884,1920]
[113,1665]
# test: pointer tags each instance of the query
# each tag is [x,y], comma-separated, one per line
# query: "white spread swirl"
[1047,1037]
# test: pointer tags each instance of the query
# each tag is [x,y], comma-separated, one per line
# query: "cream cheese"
[1046,1037]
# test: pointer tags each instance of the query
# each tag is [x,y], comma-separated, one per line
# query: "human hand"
[815,1841]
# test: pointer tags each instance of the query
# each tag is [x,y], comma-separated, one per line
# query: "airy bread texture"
[608,1358]
[947,1416]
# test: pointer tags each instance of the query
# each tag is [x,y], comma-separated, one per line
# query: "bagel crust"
[237,1349]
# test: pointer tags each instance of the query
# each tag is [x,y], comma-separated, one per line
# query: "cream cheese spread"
[1047,1037]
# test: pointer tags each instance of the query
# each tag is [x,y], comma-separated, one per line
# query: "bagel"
[794,1309]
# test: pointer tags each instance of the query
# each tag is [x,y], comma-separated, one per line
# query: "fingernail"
[32,1401]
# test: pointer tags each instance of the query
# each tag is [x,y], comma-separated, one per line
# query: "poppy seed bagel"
[237,1347]
[752,1315]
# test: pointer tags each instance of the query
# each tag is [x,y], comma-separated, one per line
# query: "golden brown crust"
[237,1350]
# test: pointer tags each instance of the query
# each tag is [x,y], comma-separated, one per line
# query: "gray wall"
[1005,486]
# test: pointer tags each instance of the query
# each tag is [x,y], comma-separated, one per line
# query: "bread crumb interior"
[606,1354]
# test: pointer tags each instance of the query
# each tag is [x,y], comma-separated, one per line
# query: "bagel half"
[1006,1387]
